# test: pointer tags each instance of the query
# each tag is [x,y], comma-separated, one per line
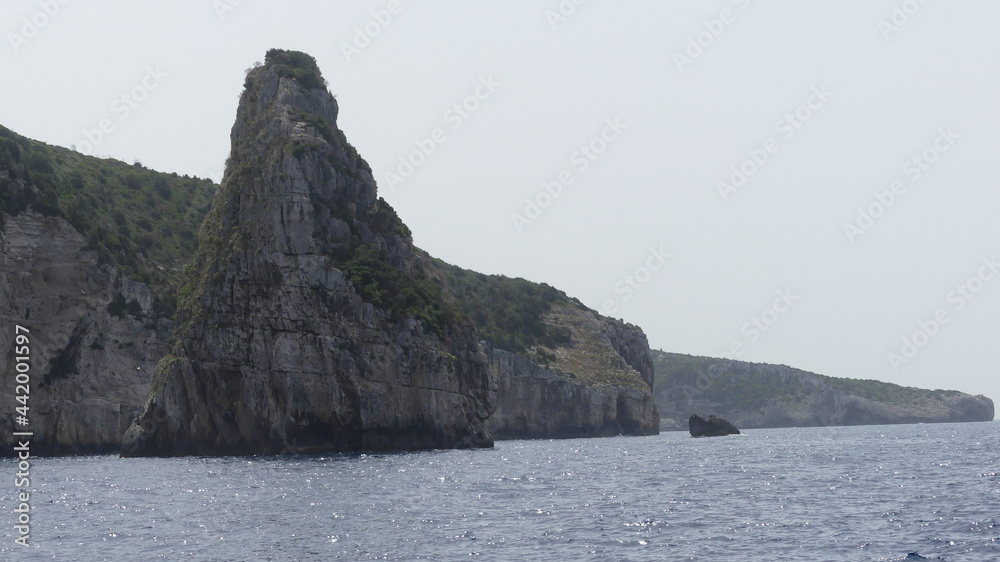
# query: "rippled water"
[860,493]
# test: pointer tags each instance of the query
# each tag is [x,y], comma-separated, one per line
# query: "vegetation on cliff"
[731,391]
[509,313]
[389,288]
[542,323]
[138,220]
[296,65]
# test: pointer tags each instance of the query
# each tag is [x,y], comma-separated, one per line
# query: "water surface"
[849,493]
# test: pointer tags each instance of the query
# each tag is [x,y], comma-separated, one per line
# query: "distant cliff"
[309,322]
[758,395]
[562,369]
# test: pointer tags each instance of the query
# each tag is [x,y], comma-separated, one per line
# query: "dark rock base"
[712,427]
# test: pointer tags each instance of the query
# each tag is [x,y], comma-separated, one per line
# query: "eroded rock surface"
[310,323]
[94,338]
[712,427]
[597,385]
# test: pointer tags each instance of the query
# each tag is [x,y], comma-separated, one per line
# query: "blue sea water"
[847,493]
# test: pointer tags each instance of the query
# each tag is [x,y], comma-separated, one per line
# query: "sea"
[899,492]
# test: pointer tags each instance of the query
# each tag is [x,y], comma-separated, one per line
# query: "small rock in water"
[712,427]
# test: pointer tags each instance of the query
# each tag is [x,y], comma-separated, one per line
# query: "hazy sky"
[826,168]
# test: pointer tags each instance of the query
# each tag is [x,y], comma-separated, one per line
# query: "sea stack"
[309,322]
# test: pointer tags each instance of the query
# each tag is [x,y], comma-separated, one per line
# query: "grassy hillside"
[509,313]
[141,221]
[542,323]
[744,390]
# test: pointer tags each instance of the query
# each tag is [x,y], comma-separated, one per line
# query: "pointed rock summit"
[309,322]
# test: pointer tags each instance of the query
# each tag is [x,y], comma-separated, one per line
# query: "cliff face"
[758,395]
[597,384]
[75,234]
[562,369]
[310,323]
[94,338]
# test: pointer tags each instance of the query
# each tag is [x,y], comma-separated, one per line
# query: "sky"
[803,183]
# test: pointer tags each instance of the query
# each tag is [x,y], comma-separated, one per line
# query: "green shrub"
[296,65]
[162,187]
[507,312]
[39,163]
[380,283]
[108,202]
[385,219]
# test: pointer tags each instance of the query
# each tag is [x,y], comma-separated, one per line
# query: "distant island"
[755,395]
[287,311]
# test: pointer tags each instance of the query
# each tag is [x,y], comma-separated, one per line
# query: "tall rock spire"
[309,322]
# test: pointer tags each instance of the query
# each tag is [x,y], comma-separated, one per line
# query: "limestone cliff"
[562,369]
[309,322]
[589,389]
[77,235]
[94,337]
[758,395]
